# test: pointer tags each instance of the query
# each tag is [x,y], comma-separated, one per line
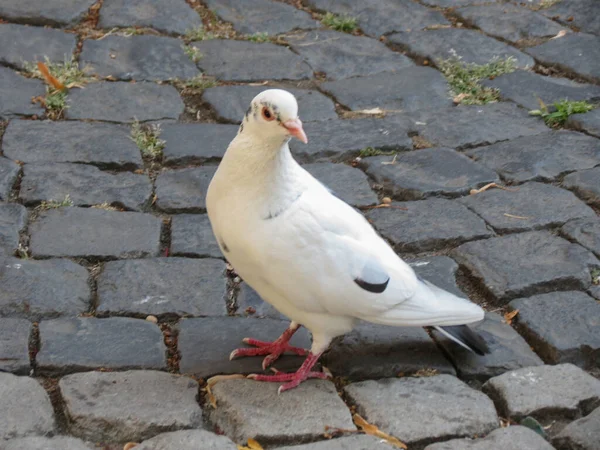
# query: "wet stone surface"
[425,173]
[448,224]
[341,55]
[531,206]
[128,406]
[80,344]
[32,44]
[586,184]
[423,409]
[380,17]
[291,418]
[526,88]
[192,235]
[104,145]
[148,58]
[231,102]
[568,53]
[236,61]
[159,286]
[263,16]
[168,16]
[43,289]
[184,190]
[193,143]
[13,218]
[14,346]
[508,351]
[544,391]
[124,102]
[347,183]
[85,185]
[407,90]
[544,157]
[50,12]
[19,419]
[95,233]
[469,45]
[561,327]
[16,92]
[375,351]
[205,345]
[546,262]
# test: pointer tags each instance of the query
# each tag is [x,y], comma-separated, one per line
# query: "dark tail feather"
[465,337]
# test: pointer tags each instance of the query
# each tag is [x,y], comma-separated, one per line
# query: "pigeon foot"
[294,378]
[273,350]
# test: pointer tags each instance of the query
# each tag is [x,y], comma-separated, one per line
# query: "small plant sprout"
[370,151]
[23,251]
[59,77]
[147,139]
[464,79]
[595,276]
[562,110]
[259,37]
[192,52]
[54,204]
[199,34]
[547,3]
[346,24]
[196,85]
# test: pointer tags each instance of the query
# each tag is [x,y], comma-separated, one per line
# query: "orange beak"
[294,126]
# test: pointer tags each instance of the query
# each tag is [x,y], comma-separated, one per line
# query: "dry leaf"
[213,380]
[371,111]
[491,185]
[252,445]
[392,162]
[130,445]
[374,431]
[560,34]
[509,316]
[50,79]
[512,216]
[460,97]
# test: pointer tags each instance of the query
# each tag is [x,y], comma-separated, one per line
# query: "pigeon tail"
[465,337]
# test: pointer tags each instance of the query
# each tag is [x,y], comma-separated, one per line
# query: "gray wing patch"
[373,278]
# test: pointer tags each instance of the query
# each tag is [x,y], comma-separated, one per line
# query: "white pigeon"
[310,255]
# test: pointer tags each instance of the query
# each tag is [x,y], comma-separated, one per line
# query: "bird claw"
[291,380]
[272,350]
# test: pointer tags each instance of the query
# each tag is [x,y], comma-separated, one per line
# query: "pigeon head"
[273,114]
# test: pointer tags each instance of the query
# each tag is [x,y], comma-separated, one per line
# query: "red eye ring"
[268,115]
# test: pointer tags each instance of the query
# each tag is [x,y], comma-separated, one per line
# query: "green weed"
[346,24]
[563,109]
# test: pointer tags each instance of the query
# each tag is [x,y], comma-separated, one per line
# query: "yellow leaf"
[213,380]
[509,316]
[252,445]
[130,445]
[372,430]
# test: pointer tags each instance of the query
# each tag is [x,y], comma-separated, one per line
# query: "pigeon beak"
[294,126]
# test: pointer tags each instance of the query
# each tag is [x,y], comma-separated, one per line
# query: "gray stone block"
[43,289]
[562,327]
[128,406]
[9,171]
[586,184]
[355,442]
[188,440]
[427,224]
[291,418]
[588,122]
[47,443]
[14,346]
[195,143]
[13,218]
[544,391]
[425,173]
[117,343]
[514,437]
[184,190]
[50,12]
[585,232]
[192,235]
[95,233]
[439,270]
[582,434]
[163,286]
[584,14]
[249,303]
[420,410]
[16,93]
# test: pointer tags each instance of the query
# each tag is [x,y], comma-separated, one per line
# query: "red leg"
[273,350]
[295,378]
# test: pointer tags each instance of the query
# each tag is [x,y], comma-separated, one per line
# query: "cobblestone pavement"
[116,305]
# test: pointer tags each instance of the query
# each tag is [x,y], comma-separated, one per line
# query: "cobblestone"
[128,406]
[104,145]
[13,218]
[14,345]
[544,391]
[588,122]
[44,443]
[512,438]
[191,235]
[585,232]
[188,440]
[544,157]
[584,14]
[250,304]
[80,344]
[581,434]
[195,143]
[95,233]
[158,286]
[586,184]
[418,410]
[561,327]
[51,12]
[242,413]
[428,172]
[147,58]
[16,92]
[43,289]
[85,186]
[183,190]
[9,172]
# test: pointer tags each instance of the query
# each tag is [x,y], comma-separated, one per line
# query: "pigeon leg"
[273,350]
[295,378]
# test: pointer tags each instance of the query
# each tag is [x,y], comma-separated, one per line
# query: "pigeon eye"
[267,114]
